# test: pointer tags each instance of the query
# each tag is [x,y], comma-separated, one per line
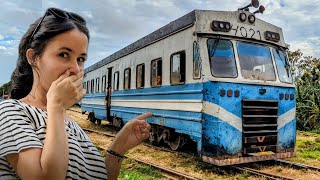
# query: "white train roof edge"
[202,20]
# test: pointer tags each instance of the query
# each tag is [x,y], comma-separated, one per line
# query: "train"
[220,79]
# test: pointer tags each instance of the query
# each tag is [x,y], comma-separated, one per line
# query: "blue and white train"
[219,78]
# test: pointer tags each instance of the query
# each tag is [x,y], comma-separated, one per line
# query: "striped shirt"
[23,126]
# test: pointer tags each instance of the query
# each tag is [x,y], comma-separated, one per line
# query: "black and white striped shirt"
[23,126]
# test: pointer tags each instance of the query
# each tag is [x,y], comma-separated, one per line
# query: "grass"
[131,170]
[308,148]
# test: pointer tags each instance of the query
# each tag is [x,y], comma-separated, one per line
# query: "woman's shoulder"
[10,104]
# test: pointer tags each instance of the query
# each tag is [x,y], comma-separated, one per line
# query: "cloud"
[115,24]
[307,46]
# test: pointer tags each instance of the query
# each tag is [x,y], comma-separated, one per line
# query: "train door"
[108,97]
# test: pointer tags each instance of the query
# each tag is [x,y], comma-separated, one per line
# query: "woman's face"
[65,51]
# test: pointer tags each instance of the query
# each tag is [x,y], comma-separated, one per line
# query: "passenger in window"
[159,80]
[46,82]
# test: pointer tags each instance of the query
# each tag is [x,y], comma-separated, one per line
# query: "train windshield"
[255,62]
[282,66]
[222,61]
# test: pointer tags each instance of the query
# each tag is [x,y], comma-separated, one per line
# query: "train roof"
[200,17]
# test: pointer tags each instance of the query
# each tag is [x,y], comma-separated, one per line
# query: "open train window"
[88,86]
[127,78]
[196,61]
[97,85]
[104,83]
[92,86]
[140,76]
[116,81]
[84,85]
[156,73]
[178,68]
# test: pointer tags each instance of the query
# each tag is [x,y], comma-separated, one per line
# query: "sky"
[114,24]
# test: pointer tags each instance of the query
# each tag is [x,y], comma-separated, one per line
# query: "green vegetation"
[244,176]
[131,170]
[308,147]
[5,88]
[306,72]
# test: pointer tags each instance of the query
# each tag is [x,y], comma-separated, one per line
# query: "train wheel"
[174,142]
[117,122]
[153,138]
[91,117]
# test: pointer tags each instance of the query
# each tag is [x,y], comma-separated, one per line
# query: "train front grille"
[259,126]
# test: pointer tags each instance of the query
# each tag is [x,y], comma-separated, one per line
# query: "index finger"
[144,116]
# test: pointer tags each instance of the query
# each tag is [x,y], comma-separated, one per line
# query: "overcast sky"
[114,24]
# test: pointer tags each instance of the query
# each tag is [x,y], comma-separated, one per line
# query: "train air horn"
[260,10]
[254,3]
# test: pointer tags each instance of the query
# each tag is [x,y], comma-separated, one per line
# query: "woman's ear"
[30,57]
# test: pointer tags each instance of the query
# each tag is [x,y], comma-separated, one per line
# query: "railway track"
[239,168]
[297,165]
[256,172]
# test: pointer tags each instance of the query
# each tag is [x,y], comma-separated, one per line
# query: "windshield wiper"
[214,47]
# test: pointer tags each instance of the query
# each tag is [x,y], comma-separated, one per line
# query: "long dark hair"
[22,76]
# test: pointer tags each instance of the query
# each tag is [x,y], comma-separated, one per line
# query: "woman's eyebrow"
[70,50]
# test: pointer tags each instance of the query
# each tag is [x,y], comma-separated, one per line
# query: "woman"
[38,140]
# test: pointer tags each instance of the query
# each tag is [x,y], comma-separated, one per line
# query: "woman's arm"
[132,134]
[51,162]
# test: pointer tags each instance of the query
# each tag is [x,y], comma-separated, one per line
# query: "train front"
[249,95]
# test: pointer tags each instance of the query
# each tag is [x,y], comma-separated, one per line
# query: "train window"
[255,61]
[178,68]
[92,86]
[84,85]
[140,76]
[127,78]
[88,86]
[222,60]
[97,85]
[196,61]
[104,83]
[283,66]
[156,73]
[116,81]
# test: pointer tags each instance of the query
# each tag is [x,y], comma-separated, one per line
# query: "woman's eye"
[63,55]
[81,59]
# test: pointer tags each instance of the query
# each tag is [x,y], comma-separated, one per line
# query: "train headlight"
[220,26]
[287,96]
[292,96]
[251,18]
[229,93]
[222,92]
[281,96]
[242,16]
[272,36]
[236,93]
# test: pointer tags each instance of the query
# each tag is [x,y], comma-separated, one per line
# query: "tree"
[5,88]
[300,64]
[306,72]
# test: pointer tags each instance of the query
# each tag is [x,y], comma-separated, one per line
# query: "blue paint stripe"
[179,92]
[183,115]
